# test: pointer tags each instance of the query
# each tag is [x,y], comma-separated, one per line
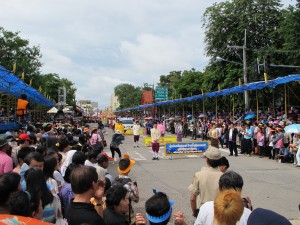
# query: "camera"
[246,203]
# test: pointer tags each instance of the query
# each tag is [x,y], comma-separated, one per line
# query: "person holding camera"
[228,181]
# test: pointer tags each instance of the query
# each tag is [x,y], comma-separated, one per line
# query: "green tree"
[128,95]
[16,50]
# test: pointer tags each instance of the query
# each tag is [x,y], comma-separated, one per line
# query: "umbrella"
[202,115]
[171,118]
[250,116]
[12,219]
[46,124]
[188,116]
[294,128]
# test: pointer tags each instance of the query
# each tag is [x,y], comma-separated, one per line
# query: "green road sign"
[161,93]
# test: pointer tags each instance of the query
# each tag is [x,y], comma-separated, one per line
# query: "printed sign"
[182,148]
[162,140]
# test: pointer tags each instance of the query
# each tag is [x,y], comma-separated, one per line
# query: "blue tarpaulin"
[12,85]
[238,89]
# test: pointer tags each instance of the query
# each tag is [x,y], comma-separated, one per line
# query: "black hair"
[102,158]
[107,184]
[32,136]
[34,155]
[70,168]
[9,182]
[19,204]
[36,184]
[157,206]
[41,149]
[23,96]
[224,162]
[23,152]
[82,179]
[214,163]
[231,180]
[63,142]
[124,163]
[115,194]
[79,158]
[30,128]
[49,166]
[93,154]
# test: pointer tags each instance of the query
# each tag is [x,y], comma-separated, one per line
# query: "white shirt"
[206,215]
[89,163]
[136,129]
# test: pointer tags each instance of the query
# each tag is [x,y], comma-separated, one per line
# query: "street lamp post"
[244,47]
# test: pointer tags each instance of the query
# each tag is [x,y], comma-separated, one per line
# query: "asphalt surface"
[269,184]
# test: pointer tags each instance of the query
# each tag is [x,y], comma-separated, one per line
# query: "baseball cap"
[24,137]
[212,153]
[3,140]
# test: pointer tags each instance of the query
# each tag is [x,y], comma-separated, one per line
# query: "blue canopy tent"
[238,89]
[14,86]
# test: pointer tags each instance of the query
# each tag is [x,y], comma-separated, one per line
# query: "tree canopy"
[16,50]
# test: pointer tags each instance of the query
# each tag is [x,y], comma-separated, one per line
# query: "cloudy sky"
[99,44]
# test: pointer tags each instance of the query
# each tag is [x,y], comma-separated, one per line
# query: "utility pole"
[244,47]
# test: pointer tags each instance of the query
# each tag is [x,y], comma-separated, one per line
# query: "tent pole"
[256,106]
[216,108]
[285,103]
[232,107]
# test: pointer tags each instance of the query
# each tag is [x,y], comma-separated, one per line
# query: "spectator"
[66,192]
[103,162]
[19,204]
[84,183]
[36,184]
[205,182]
[6,162]
[224,164]
[261,216]
[228,207]
[228,181]
[92,158]
[9,183]
[117,204]
[22,154]
[159,209]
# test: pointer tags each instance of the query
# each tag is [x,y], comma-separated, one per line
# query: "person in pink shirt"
[6,162]
[162,128]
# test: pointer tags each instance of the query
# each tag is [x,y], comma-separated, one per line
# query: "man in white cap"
[205,184]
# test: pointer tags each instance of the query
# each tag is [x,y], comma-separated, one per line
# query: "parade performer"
[155,136]
[136,134]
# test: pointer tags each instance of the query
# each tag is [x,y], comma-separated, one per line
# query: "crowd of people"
[60,175]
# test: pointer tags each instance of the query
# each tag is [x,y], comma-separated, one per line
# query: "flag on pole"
[40,89]
[14,68]
[266,77]
[202,92]
[23,76]
[240,82]
[219,88]
[30,82]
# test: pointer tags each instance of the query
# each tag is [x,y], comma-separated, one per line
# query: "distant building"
[114,102]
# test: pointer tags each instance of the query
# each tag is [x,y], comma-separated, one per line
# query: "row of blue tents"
[238,89]
[14,86]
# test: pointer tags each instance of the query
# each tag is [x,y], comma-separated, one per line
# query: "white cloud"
[100,44]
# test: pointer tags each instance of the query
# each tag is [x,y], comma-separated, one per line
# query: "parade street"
[269,184]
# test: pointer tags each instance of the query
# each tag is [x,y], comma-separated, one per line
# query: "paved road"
[269,184]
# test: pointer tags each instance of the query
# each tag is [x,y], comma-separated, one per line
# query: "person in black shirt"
[85,185]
